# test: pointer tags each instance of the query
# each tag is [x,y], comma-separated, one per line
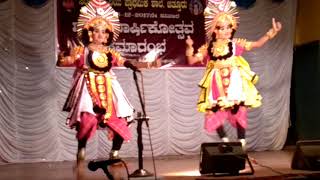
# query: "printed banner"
[159,26]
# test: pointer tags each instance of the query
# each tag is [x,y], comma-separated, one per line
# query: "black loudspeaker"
[307,155]
[223,158]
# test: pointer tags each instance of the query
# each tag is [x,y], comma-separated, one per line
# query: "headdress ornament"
[99,13]
[216,10]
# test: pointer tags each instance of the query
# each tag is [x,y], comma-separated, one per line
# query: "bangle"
[270,34]
[189,51]
[248,45]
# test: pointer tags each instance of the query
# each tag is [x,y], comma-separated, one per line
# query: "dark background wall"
[305,108]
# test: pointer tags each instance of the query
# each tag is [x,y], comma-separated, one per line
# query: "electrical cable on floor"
[254,161]
[127,169]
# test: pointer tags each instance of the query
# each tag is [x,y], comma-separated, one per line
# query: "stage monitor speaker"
[307,155]
[222,158]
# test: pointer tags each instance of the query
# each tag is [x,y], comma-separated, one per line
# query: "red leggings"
[87,129]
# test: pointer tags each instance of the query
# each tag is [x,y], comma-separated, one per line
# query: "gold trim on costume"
[109,99]
[219,49]
[100,89]
[100,59]
[244,43]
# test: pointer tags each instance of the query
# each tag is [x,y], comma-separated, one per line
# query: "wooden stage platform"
[267,165]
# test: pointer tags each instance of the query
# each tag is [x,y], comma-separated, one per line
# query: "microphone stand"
[141,118]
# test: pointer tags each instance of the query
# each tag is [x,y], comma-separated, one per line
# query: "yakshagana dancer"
[96,98]
[228,84]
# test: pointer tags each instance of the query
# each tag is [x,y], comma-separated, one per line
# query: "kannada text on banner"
[145,25]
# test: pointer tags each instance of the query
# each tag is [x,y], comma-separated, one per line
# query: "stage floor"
[267,165]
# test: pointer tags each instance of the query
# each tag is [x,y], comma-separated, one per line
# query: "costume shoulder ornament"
[99,13]
[217,9]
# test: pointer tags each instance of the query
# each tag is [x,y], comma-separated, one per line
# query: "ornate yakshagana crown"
[99,13]
[219,10]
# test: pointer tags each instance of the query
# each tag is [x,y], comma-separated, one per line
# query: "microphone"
[129,65]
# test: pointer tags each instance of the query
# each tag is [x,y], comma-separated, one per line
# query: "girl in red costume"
[96,98]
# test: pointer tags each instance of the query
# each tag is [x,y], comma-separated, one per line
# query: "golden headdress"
[219,10]
[99,13]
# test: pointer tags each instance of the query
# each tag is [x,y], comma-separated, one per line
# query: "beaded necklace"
[219,51]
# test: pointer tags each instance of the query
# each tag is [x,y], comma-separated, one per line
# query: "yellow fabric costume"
[213,73]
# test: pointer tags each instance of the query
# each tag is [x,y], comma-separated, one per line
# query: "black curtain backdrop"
[305,87]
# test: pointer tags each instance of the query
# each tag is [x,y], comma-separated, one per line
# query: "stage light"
[223,158]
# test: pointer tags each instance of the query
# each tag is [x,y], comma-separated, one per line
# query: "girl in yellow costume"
[227,87]
[96,97]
